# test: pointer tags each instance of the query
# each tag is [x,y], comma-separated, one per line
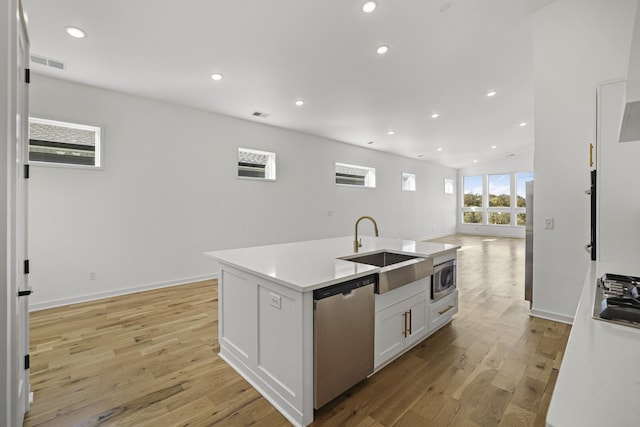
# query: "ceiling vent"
[261,115]
[47,62]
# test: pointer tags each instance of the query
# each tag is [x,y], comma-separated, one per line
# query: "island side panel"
[236,308]
[266,335]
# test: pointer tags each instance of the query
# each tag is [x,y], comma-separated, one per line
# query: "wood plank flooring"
[150,359]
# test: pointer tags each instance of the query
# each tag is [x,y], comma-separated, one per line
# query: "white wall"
[522,162]
[169,192]
[577,43]
[618,204]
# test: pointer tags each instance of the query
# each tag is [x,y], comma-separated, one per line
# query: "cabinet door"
[389,333]
[417,312]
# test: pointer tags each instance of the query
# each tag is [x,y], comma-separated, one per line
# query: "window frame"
[99,145]
[369,180]
[474,209]
[500,209]
[513,210]
[270,166]
[408,182]
[517,209]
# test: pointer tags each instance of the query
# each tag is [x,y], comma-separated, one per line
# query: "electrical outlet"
[548,223]
[276,300]
[92,275]
[329,213]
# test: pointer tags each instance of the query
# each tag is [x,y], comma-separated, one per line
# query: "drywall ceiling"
[444,57]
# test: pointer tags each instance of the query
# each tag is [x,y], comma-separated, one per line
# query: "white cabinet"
[406,316]
[400,326]
[402,320]
[441,311]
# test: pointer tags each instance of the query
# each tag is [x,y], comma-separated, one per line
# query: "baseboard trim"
[552,316]
[285,408]
[118,292]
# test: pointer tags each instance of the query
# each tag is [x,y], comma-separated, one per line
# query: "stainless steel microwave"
[443,281]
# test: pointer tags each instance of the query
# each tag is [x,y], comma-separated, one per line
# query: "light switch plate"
[548,223]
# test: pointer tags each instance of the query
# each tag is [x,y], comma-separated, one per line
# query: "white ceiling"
[323,51]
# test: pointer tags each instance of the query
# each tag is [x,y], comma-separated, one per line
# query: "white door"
[22,284]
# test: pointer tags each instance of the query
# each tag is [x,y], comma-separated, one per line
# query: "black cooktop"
[617,299]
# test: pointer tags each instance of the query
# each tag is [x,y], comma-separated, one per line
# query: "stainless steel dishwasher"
[343,324]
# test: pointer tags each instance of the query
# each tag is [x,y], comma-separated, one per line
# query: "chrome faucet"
[358,243]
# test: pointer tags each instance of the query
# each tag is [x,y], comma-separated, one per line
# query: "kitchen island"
[266,311]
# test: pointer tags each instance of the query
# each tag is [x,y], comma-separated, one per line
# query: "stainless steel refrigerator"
[528,253]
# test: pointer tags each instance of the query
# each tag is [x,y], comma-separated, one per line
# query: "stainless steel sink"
[397,269]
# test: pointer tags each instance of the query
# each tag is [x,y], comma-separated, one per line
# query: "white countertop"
[314,264]
[599,380]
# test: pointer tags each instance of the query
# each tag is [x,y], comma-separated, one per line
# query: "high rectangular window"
[408,181]
[64,143]
[354,175]
[255,164]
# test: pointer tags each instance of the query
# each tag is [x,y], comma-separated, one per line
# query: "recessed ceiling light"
[299,102]
[475,161]
[494,147]
[382,50]
[440,148]
[435,115]
[76,32]
[216,76]
[369,7]
[523,124]
[371,142]
[491,93]
[391,132]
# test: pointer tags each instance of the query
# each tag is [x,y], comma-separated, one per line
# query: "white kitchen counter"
[599,380]
[305,266]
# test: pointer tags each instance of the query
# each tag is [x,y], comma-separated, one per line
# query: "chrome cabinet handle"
[441,312]
[410,320]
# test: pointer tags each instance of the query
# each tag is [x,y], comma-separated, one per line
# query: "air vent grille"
[48,62]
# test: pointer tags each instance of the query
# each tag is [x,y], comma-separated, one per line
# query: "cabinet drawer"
[441,311]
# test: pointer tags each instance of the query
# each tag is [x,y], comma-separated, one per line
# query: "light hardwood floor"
[150,359]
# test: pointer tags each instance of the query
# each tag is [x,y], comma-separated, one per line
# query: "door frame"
[11,411]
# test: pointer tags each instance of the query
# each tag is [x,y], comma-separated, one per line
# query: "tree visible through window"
[521,194]
[497,199]
[472,188]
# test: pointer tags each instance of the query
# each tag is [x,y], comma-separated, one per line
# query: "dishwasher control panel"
[345,287]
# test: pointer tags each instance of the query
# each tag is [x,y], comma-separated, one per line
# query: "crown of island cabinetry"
[266,311]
